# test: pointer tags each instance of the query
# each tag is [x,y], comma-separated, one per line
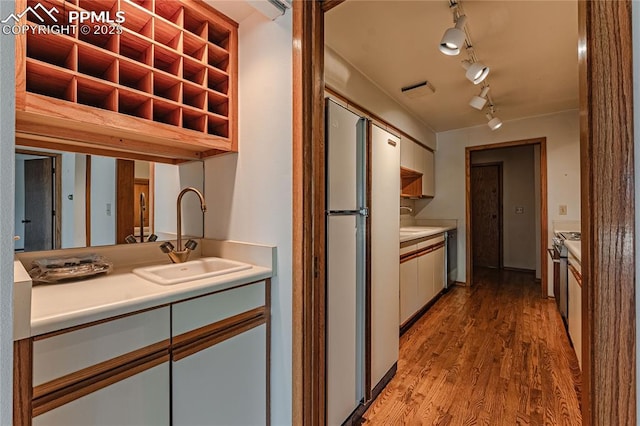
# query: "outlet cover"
[562,210]
[519,210]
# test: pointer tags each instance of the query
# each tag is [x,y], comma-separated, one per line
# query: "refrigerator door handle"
[343,212]
[362,212]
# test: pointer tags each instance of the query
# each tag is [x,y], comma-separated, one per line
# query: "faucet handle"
[191,245]
[130,239]
[166,247]
[152,238]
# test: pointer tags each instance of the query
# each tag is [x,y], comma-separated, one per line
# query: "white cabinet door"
[407,153]
[438,270]
[223,385]
[425,280]
[428,173]
[385,251]
[142,399]
[575,315]
[408,289]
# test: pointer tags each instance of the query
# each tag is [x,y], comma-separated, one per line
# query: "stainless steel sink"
[176,273]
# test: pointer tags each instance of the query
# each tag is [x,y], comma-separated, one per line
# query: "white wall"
[103,201]
[7,175]
[79,201]
[169,180]
[350,82]
[518,236]
[249,194]
[563,169]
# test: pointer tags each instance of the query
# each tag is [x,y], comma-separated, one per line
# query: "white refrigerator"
[352,155]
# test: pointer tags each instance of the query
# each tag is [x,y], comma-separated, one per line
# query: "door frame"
[499,165]
[608,227]
[544,215]
[57,192]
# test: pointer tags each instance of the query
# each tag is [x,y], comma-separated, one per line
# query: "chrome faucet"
[407,208]
[177,254]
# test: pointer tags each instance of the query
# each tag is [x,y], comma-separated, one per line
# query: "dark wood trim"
[99,369]
[198,334]
[356,417]
[362,110]
[605,56]
[415,317]
[327,5]
[523,270]
[125,176]
[309,254]
[419,253]
[206,341]
[544,214]
[95,383]
[575,273]
[368,331]
[22,382]
[87,200]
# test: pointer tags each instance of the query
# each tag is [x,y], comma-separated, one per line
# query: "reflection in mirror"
[66,200]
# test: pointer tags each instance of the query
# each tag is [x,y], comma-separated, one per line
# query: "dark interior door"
[38,204]
[486,206]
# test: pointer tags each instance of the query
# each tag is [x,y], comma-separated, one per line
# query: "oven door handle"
[554,258]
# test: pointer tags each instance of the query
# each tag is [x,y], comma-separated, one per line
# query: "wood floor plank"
[492,354]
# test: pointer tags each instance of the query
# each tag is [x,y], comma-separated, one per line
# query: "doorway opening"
[507,207]
[37,220]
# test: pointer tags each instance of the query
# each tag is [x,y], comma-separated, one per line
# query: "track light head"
[478,102]
[494,123]
[454,37]
[476,71]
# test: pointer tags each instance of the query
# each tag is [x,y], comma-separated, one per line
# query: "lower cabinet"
[422,276]
[203,361]
[141,399]
[224,384]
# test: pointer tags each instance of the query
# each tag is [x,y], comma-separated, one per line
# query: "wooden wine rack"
[164,87]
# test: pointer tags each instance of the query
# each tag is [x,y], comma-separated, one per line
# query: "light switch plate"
[562,210]
[519,210]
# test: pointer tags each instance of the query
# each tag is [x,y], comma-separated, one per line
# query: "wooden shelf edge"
[409,173]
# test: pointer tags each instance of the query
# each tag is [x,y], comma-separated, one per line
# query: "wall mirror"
[66,199]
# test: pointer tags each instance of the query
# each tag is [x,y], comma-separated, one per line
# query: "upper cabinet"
[417,170]
[153,79]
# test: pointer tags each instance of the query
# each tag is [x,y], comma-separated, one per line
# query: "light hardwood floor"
[496,354]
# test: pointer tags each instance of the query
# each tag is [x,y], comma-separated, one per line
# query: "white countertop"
[409,233]
[575,248]
[58,306]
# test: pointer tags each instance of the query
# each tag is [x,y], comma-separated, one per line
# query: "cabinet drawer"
[408,249]
[431,242]
[62,354]
[205,310]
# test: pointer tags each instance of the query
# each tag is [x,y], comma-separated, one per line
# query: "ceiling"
[530,46]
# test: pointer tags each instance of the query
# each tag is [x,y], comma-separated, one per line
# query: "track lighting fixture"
[476,71]
[479,101]
[454,37]
[494,123]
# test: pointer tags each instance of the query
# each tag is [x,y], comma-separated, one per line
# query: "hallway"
[496,354]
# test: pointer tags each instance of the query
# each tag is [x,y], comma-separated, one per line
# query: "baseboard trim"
[355,419]
[460,283]
[411,321]
[528,271]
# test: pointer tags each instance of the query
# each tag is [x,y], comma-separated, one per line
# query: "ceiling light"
[454,38]
[476,71]
[478,102]
[494,122]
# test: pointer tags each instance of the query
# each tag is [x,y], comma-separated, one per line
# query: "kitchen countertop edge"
[427,233]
